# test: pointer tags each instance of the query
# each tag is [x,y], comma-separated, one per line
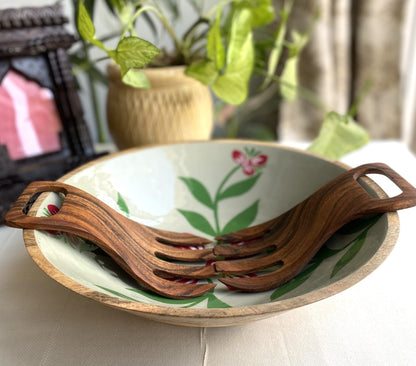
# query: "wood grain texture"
[196,317]
[136,248]
[297,235]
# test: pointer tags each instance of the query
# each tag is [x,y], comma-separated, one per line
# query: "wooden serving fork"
[137,248]
[295,236]
[298,234]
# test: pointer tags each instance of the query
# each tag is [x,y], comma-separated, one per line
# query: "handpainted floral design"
[52,209]
[250,162]
[249,165]
[350,250]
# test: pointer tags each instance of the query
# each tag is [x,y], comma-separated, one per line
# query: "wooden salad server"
[297,235]
[294,237]
[137,248]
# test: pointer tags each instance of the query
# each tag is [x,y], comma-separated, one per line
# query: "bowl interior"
[206,188]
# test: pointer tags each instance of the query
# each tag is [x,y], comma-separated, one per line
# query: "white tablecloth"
[372,323]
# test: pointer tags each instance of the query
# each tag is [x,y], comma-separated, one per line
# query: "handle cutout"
[386,184]
[30,202]
[56,201]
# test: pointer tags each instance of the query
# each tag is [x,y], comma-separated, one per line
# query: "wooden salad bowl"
[208,189]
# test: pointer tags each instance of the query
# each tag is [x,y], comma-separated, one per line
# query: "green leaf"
[232,85]
[215,48]
[299,41]
[339,135]
[136,78]
[240,42]
[85,25]
[215,302]
[349,255]
[198,190]
[295,282]
[125,13]
[197,221]
[203,71]
[289,76]
[89,6]
[134,52]
[324,253]
[242,220]
[289,79]
[262,11]
[239,188]
[122,205]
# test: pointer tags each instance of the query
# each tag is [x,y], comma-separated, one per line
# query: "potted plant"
[216,52]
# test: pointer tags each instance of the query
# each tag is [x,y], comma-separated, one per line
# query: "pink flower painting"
[249,164]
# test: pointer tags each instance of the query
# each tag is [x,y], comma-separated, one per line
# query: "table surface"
[372,323]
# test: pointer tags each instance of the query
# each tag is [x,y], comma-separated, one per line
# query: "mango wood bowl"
[209,188]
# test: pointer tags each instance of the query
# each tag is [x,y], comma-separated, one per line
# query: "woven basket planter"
[176,108]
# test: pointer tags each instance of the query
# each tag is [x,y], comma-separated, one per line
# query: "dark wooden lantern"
[33,45]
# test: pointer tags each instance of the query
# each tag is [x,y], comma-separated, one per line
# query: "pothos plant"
[219,50]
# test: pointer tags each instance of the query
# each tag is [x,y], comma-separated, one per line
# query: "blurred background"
[357,51]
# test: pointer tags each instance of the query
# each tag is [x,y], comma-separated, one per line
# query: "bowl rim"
[213,316]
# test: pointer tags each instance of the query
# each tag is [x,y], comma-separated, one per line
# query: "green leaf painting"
[238,181]
[250,164]
[198,222]
[242,220]
[210,297]
[294,283]
[198,190]
[354,248]
[122,205]
[239,188]
[351,249]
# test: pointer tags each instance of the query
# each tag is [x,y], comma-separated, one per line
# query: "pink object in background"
[29,121]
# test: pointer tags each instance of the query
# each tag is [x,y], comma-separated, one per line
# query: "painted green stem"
[217,197]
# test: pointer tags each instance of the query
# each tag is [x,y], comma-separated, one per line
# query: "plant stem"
[304,93]
[188,37]
[215,7]
[96,109]
[217,196]
[162,18]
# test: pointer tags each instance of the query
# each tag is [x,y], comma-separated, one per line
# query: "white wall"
[408,72]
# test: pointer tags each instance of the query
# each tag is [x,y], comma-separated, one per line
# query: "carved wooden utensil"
[295,236]
[298,234]
[137,248]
